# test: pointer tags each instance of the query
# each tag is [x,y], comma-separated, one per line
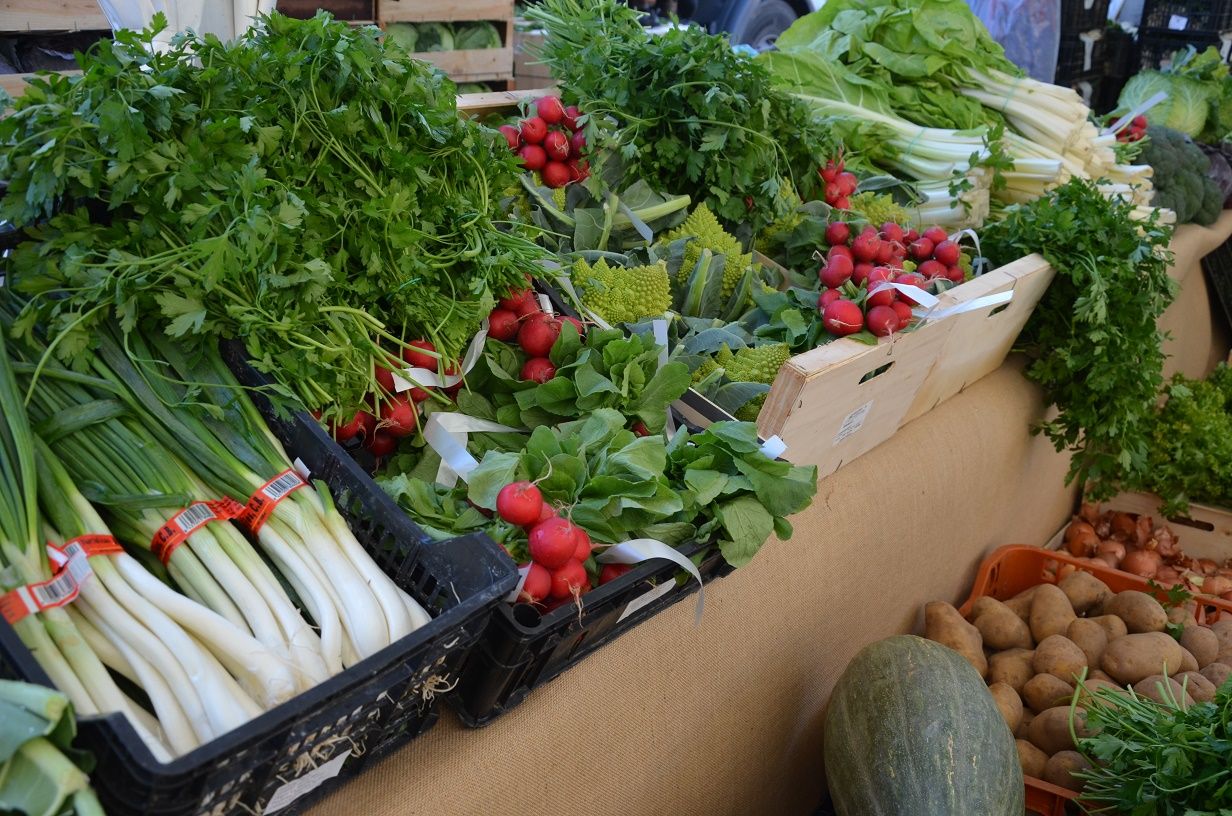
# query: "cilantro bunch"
[306,188]
[691,114]
[1093,342]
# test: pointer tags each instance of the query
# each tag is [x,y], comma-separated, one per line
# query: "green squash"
[912,731]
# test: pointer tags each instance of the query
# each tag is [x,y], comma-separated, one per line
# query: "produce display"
[40,773]
[427,37]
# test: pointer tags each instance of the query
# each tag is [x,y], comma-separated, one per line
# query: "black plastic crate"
[350,719]
[1156,47]
[1075,60]
[1187,16]
[1083,15]
[1218,268]
[1088,86]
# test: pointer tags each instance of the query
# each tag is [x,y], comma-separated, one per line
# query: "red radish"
[904,313]
[947,252]
[533,157]
[556,174]
[828,296]
[882,321]
[885,253]
[575,174]
[519,503]
[884,297]
[611,572]
[571,116]
[513,299]
[838,233]
[836,272]
[360,425]
[639,428]
[549,109]
[866,246]
[556,145]
[577,324]
[398,416]
[1138,122]
[842,317]
[839,249]
[418,395]
[384,378]
[892,232]
[583,545]
[583,167]
[570,580]
[936,235]
[829,173]
[528,309]
[538,584]
[538,369]
[512,136]
[931,269]
[847,183]
[910,279]
[546,512]
[956,274]
[860,274]
[536,337]
[921,249]
[416,357]
[381,444]
[577,143]
[842,203]
[502,325]
[833,194]
[533,130]
[553,542]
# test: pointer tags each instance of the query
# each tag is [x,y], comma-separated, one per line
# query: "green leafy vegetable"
[473,36]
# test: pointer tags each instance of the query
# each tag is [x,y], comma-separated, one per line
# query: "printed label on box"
[307,783]
[853,422]
[647,598]
[1178,23]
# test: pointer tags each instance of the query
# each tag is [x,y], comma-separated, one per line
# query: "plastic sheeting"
[1029,30]
[219,17]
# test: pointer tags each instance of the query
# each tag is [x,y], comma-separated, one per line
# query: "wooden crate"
[52,15]
[1203,532]
[477,64]
[434,11]
[352,11]
[528,73]
[841,400]
[979,340]
[479,104]
[472,65]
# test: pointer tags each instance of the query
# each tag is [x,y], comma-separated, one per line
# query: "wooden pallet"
[980,340]
[470,65]
[27,16]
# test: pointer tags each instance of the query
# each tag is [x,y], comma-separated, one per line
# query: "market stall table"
[726,718]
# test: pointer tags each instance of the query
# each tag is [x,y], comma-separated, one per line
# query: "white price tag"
[853,422]
[307,783]
[301,468]
[646,598]
[1178,23]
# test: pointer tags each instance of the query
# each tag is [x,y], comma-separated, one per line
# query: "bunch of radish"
[550,143]
[519,319]
[394,414]
[857,263]
[1132,132]
[559,549]
[1136,544]
[839,185]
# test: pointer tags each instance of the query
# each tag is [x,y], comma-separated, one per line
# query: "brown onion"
[1080,538]
[1124,526]
[1216,585]
[1065,569]
[1103,528]
[1144,563]
[1207,567]
[1143,531]
[1114,548]
[1167,576]
[1227,596]
[1108,559]
[1089,512]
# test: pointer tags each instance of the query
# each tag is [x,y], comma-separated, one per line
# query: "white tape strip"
[301,468]
[924,298]
[979,303]
[545,304]
[975,239]
[512,597]
[637,550]
[1119,124]
[447,434]
[659,329]
[643,229]
[773,448]
[424,378]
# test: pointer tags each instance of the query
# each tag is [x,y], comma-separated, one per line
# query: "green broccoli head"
[1180,178]
[623,294]
[708,233]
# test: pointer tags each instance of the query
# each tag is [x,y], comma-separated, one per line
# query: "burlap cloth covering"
[726,717]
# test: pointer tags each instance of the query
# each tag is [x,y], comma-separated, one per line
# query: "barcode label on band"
[282,485]
[56,592]
[193,517]
[267,497]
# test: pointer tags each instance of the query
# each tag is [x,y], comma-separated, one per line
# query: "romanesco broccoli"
[708,233]
[558,197]
[879,208]
[623,294]
[759,364]
[704,370]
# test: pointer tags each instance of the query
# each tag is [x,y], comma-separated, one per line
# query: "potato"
[1012,667]
[1153,689]
[1113,626]
[1090,637]
[943,624]
[1084,590]
[1027,717]
[1061,767]
[1049,731]
[1009,703]
[1032,759]
[1098,674]
[1201,642]
[1188,662]
[1020,604]
[1044,691]
[1050,612]
[1199,687]
[1090,687]
[1140,611]
[1059,656]
[1217,673]
[1224,655]
[999,627]
[1134,657]
[1223,631]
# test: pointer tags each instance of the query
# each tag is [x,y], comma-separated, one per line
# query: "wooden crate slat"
[52,15]
[479,104]
[432,11]
[353,11]
[472,65]
[1203,532]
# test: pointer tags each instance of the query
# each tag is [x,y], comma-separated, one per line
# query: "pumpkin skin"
[911,730]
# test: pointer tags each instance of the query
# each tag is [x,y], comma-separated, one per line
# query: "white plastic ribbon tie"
[638,550]
[545,304]
[1119,124]
[658,328]
[512,597]
[641,226]
[301,468]
[970,306]
[924,298]
[426,378]
[773,448]
[447,434]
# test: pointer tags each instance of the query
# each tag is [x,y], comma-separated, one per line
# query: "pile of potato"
[1032,649]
